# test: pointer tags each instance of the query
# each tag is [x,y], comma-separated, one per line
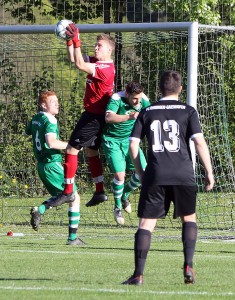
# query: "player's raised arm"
[74,50]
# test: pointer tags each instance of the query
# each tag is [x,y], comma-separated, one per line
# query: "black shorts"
[155,201]
[88,131]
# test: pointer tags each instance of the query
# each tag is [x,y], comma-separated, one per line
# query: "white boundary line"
[115,254]
[117,291]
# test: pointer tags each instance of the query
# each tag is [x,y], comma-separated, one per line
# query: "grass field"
[41,266]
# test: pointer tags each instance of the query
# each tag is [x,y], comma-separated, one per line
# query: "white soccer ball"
[60,29]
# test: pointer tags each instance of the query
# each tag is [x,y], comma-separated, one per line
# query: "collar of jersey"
[47,114]
[104,61]
[167,98]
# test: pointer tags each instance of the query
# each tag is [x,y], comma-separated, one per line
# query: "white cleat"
[118,216]
[126,206]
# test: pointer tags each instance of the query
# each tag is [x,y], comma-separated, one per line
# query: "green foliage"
[16,109]
[217,12]
[13,186]
[164,53]
[18,98]
[74,10]
[202,11]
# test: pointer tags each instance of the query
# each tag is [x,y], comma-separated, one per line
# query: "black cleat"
[35,218]
[134,280]
[76,242]
[97,199]
[189,275]
[126,205]
[61,199]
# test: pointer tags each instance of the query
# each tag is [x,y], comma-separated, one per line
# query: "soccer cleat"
[189,275]
[118,216]
[134,280]
[35,218]
[97,199]
[61,199]
[126,205]
[76,242]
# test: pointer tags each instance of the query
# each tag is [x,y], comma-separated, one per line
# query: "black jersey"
[168,126]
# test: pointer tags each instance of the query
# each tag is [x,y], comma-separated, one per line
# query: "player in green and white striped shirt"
[121,113]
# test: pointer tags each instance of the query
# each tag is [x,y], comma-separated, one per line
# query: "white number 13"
[170,126]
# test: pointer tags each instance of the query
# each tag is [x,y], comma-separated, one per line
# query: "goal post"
[32,58]
[190,27]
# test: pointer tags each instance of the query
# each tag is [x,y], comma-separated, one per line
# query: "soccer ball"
[60,29]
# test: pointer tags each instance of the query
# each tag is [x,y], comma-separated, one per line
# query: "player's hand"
[73,33]
[133,115]
[209,182]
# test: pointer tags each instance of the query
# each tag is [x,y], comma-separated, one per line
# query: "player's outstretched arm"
[204,155]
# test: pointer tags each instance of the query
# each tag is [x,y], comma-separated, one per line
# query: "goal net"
[30,62]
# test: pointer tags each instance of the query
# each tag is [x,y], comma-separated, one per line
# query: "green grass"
[41,266]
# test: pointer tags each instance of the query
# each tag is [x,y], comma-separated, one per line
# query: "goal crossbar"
[190,27]
[91,28]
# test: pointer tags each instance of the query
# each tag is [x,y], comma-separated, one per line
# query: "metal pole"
[192,64]
[192,75]
[87,28]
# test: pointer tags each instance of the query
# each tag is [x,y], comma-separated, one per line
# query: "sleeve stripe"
[132,138]
[196,134]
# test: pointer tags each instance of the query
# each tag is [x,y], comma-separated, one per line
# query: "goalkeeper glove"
[73,33]
[69,43]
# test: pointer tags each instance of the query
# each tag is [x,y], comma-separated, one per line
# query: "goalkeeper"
[121,113]
[47,147]
[88,130]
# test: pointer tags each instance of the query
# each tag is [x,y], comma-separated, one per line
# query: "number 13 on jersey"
[172,128]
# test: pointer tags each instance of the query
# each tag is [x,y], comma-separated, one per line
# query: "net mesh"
[31,62]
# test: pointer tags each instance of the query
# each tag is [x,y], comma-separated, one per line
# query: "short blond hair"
[107,37]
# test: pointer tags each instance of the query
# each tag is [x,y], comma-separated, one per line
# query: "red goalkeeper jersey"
[99,86]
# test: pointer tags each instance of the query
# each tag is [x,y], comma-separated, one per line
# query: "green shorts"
[118,157]
[52,176]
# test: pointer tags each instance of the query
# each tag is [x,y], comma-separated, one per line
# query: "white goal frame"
[190,27]
[198,94]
